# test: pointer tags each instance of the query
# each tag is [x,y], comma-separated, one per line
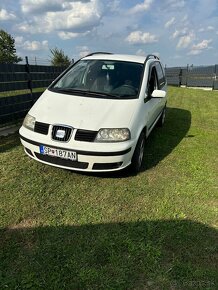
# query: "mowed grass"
[157,230]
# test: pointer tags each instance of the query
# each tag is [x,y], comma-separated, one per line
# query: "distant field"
[157,230]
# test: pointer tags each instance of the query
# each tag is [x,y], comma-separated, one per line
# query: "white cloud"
[31,45]
[175,4]
[35,45]
[194,52]
[139,37]
[79,17]
[170,22]
[175,34]
[141,7]
[114,5]
[185,41]
[185,18]
[19,40]
[39,6]
[140,52]
[208,28]
[76,19]
[69,35]
[5,15]
[179,33]
[83,51]
[200,47]
[32,26]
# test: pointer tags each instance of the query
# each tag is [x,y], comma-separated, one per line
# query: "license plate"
[65,154]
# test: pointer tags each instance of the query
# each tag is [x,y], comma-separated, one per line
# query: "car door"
[152,105]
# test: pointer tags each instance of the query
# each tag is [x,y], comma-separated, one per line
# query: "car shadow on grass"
[163,140]
[170,254]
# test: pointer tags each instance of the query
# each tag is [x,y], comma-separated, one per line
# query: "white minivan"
[97,114]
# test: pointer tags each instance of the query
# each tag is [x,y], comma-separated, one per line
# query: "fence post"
[180,77]
[187,75]
[214,77]
[29,78]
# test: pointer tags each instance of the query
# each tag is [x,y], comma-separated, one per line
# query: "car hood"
[83,112]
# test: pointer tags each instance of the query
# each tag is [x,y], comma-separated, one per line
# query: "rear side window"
[160,75]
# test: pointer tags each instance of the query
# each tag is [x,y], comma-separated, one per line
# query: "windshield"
[102,78]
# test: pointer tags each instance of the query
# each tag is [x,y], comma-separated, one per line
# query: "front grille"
[41,128]
[63,162]
[67,133]
[85,135]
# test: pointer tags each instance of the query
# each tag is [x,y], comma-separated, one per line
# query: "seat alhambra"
[97,114]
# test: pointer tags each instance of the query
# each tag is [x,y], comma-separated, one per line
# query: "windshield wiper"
[102,94]
[69,90]
[85,92]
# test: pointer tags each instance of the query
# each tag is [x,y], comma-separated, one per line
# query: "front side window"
[152,81]
[102,78]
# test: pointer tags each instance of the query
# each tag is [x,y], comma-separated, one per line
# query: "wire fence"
[33,60]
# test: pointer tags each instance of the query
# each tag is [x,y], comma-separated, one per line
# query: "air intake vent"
[62,162]
[61,133]
[41,128]
[85,135]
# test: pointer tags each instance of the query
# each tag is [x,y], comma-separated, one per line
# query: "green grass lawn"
[157,230]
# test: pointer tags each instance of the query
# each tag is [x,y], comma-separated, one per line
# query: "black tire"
[138,155]
[161,120]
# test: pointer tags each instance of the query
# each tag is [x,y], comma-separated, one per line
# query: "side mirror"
[158,94]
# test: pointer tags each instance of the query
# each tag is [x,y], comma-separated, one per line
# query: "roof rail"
[98,52]
[150,56]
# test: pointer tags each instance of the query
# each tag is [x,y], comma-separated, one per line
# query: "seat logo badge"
[60,134]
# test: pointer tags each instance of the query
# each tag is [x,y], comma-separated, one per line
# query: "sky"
[181,32]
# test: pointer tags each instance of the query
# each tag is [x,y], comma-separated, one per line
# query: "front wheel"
[138,154]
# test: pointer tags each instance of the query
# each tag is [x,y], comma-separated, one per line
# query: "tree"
[7,48]
[59,58]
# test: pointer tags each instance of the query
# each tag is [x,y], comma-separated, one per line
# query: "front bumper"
[111,157]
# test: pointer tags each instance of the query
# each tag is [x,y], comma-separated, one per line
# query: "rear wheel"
[138,154]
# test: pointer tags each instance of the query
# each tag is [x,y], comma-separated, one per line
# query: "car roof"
[120,57]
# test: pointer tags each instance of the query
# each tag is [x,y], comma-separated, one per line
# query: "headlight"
[29,122]
[113,135]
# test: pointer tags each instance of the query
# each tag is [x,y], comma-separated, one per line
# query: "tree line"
[8,52]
